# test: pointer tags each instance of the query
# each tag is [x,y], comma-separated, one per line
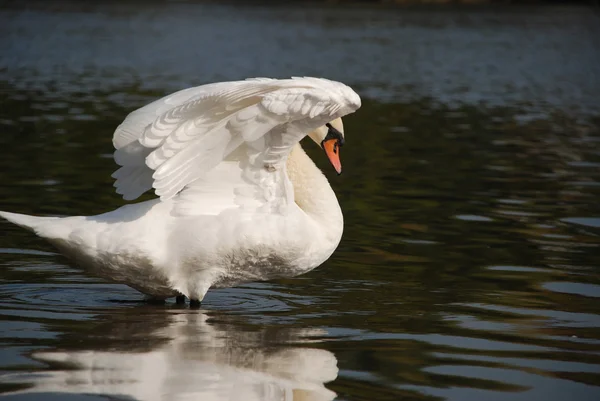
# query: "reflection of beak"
[332,149]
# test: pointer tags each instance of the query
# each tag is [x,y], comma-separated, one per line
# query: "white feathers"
[176,140]
[137,121]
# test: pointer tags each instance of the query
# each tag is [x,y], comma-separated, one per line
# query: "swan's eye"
[332,133]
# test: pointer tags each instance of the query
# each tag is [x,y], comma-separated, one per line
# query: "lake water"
[470,263]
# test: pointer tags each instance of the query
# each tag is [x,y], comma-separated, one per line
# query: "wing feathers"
[132,181]
[178,139]
[136,122]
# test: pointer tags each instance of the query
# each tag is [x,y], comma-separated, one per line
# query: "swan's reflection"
[194,359]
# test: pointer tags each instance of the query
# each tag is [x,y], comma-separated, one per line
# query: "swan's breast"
[260,247]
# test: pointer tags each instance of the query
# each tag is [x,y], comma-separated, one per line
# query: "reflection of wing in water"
[198,361]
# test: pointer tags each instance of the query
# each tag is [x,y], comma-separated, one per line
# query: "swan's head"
[331,138]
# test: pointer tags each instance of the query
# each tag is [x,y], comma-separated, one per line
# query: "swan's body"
[239,199]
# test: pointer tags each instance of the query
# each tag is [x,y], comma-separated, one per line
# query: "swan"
[238,199]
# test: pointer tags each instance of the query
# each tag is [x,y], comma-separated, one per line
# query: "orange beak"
[332,149]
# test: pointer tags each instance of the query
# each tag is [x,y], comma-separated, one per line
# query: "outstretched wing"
[177,140]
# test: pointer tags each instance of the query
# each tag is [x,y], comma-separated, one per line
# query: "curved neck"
[314,195]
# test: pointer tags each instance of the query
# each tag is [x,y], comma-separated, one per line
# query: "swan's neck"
[314,195]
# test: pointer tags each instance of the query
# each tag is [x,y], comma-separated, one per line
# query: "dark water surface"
[470,263]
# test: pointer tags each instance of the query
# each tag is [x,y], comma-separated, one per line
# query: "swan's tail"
[43,226]
[23,220]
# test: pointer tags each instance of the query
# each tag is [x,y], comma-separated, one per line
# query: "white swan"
[239,199]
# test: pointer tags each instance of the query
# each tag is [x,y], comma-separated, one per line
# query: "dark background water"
[470,263]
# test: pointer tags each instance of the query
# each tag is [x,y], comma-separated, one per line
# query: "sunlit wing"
[180,139]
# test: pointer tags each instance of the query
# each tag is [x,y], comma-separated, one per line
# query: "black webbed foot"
[194,303]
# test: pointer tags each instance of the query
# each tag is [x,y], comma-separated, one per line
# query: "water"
[469,267]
